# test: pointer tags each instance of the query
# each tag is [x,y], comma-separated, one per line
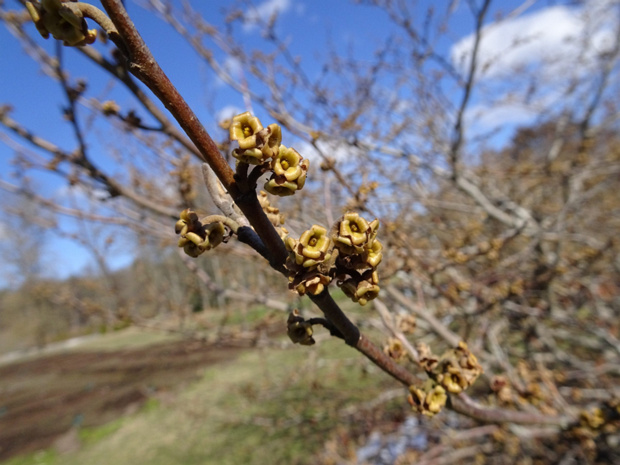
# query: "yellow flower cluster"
[428,399]
[349,252]
[361,289]
[453,372]
[197,237]
[62,20]
[257,145]
[299,330]
[306,254]
[359,254]
[602,420]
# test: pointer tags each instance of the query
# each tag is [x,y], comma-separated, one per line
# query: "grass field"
[176,402]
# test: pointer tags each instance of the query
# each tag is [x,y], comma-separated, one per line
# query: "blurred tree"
[510,246]
[25,259]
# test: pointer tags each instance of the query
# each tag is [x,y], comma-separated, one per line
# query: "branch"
[143,65]
[230,293]
[113,187]
[388,321]
[465,405]
[442,330]
[457,138]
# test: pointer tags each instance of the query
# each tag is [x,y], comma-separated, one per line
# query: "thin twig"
[388,322]
[437,326]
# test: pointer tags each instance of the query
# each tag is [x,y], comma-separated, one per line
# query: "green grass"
[45,457]
[268,406]
[96,434]
[248,316]
[128,338]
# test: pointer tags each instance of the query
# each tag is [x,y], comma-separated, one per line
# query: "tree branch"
[143,65]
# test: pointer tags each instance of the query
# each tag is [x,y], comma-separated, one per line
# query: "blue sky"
[310,27]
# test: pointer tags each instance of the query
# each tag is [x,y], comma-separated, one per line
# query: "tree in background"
[510,247]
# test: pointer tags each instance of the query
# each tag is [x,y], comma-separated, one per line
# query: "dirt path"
[33,352]
[42,399]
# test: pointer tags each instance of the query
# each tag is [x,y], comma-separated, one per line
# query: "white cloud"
[263,12]
[526,63]
[232,66]
[79,193]
[551,38]
[503,114]
[334,149]
[227,112]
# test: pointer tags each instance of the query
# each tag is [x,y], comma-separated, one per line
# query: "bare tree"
[510,249]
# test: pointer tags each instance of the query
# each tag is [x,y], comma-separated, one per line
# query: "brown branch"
[113,187]
[438,327]
[388,322]
[167,127]
[386,363]
[143,65]
[457,139]
[61,209]
[244,296]
[333,313]
[465,405]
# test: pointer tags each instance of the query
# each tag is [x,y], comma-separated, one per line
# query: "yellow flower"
[299,330]
[188,222]
[416,398]
[363,291]
[312,247]
[287,163]
[260,145]
[453,382]
[428,399]
[406,323]
[196,237]
[435,400]
[289,172]
[374,255]
[282,189]
[355,234]
[214,235]
[244,128]
[190,245]
[395,349]
[366,292]
[594,419]
[353,230]
[195,243]
[458,369]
